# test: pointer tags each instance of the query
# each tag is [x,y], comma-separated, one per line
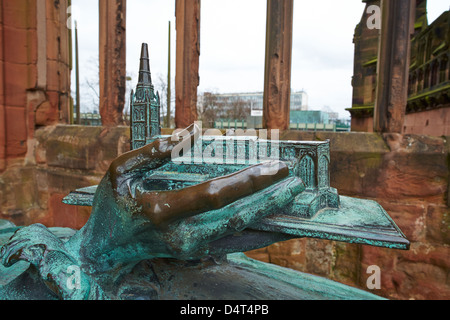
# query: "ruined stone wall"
[34,72]
[428,84]
[64,158]
[18,73]
[364,72]
[434,122]
[407,174]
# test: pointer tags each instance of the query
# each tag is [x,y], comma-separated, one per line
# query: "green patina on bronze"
[171,216]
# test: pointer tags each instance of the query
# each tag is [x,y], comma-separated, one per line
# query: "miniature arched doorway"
[308,172]
[324,175]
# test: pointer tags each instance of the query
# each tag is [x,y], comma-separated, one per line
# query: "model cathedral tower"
[144,106]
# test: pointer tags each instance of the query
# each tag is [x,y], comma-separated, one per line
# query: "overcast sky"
[232,44]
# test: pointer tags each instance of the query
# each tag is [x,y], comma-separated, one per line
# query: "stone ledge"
[81,147]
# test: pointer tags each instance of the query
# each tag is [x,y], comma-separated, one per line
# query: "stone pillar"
[187,79]
[2,97]
[393,65]
[53,64]
[277,78]
[112,60]
[18,75]
[34,73]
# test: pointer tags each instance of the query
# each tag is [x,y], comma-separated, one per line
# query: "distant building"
[254,100]
[225,105]
[90,119]
[332,115]
[309,116]
[299,100]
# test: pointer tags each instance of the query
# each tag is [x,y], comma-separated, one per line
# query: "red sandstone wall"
[18,73]
[407,174]
[434,122]
[364,124]
[2,99]
[65,158]
[34,72]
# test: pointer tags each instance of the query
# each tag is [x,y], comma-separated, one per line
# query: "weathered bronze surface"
[163,207]
[169,219]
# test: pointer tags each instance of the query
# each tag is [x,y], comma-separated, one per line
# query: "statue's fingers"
[133,164]
[167,206]
[163,148]
[190,238]
[12,251]
[25,232]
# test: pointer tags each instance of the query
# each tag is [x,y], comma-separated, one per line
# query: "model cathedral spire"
[144,106]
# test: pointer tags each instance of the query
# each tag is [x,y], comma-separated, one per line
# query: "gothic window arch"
[414,83]
[324,175]
[434,73]
[426,82]
[420,81]
[307,171]
[443,68]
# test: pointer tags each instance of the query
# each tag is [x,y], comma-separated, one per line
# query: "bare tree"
[161,86]
[238,109]
[90,88]
[129,86]
[212,108]
[208,109]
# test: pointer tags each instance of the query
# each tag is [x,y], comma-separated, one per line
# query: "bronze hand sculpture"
[130,224]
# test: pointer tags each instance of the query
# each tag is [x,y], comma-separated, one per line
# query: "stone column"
[2,97]
[34,73]
[52,101]
[393,65]
[18,75]
[187,79]
[112,60]
[277,79]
